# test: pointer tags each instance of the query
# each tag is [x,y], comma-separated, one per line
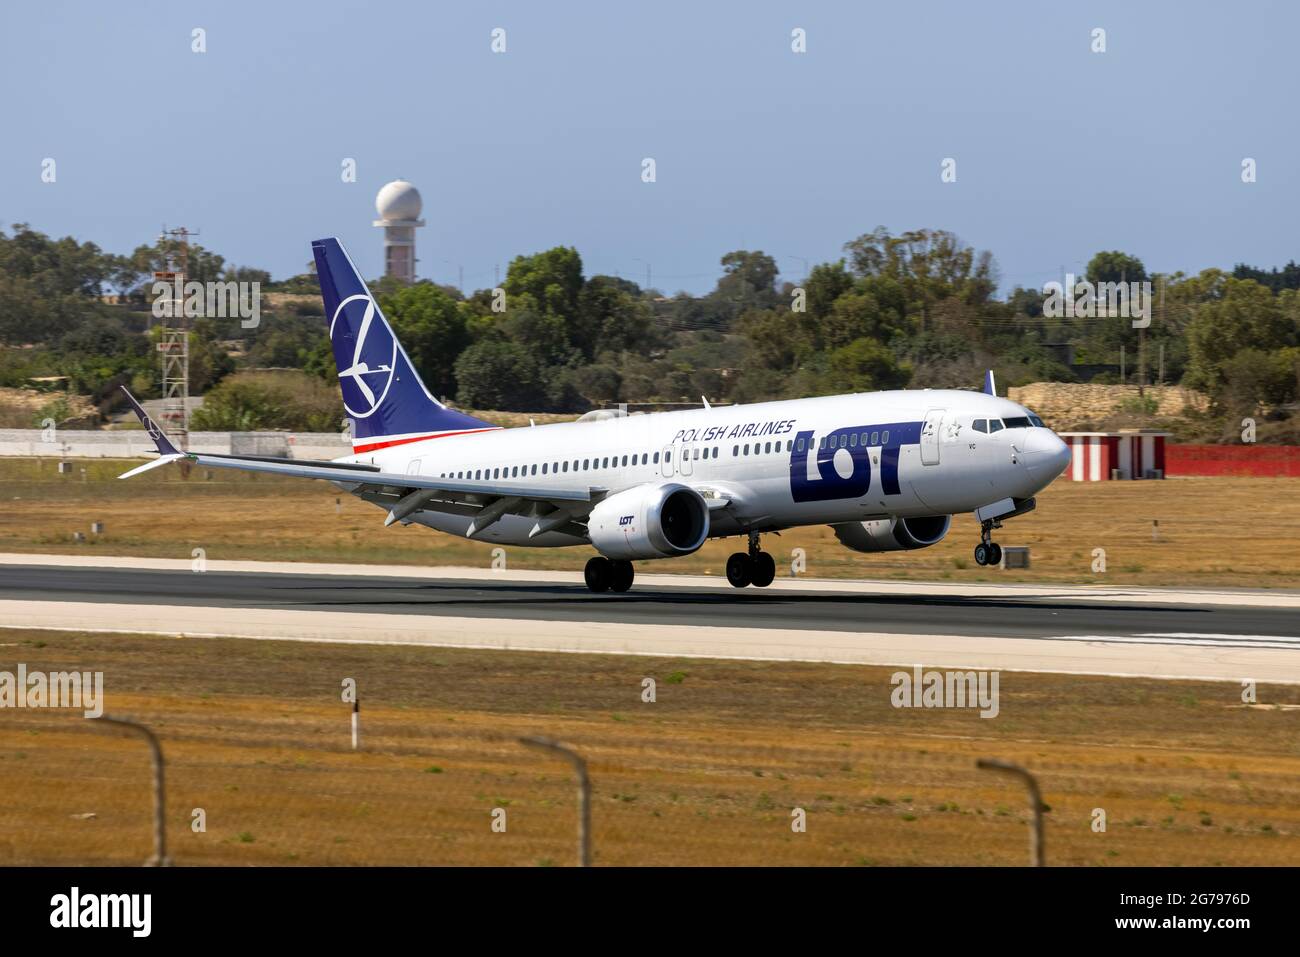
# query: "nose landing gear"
[756,567]
[988,552]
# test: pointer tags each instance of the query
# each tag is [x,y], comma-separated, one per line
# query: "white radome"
[399,200]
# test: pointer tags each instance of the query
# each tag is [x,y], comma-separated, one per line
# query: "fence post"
[1036,858]
[584,791]
[159,858]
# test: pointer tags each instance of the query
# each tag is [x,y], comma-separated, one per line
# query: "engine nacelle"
[649,521]
[893,534]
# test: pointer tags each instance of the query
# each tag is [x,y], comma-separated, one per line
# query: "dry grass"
[256,736]
[1212,531]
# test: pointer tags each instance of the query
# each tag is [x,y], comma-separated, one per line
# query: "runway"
[1217,635]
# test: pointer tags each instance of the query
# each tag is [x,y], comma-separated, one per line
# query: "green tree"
[500,374]
[433,330]
[865,365]
[1115,266]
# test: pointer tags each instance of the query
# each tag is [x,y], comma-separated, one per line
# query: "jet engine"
[649,521]
[893,534]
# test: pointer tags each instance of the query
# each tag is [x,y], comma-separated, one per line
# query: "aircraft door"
[930,436]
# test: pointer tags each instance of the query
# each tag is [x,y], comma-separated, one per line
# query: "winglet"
[990,387]
[162,444]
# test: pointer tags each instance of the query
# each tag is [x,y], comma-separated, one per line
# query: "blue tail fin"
[382,393]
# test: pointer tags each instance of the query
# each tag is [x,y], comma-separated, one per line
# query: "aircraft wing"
[401,494]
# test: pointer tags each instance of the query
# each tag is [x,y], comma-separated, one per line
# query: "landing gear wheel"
[621,575]
[995,553]
[762,569]
[739,570]
[598,574]
[981,554]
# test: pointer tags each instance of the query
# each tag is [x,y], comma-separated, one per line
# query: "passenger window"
[543,468]
[798,446]
[821,443]
[735,450]
[746,448]
[884,438]
[789,445]
[566,466]
[656,458]
[853,440]
[874,438]
[995,425]
[668,456]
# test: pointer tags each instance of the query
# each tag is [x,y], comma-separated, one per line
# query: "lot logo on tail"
[364,385]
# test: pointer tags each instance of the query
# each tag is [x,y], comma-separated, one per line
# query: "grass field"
[1212,531]
[256,736]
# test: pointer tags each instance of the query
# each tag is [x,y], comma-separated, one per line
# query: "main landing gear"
[756,567]
[988,552]
[605,574]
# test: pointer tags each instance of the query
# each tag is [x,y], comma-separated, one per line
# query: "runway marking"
[1260,598]
[1102,655]
[1192,639]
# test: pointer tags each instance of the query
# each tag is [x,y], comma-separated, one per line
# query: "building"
[399,206]
[1130,454]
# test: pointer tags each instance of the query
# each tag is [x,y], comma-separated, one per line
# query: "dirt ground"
[1191,532]
[713,771]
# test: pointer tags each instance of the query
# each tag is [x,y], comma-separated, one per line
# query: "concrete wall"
[136,444]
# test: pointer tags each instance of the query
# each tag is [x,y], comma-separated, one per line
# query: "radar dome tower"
[399,205]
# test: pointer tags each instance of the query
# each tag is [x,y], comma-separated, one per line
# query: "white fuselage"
[817,461]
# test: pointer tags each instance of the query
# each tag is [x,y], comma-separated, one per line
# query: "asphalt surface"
[1009,616]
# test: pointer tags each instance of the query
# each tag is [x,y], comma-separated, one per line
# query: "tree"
[432,328]
[865,365]
[748,279]
[826,283]
[500,374]
[1115,266]
[1245,316]
[551,280]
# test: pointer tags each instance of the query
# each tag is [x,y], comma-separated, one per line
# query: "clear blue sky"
[1060,152]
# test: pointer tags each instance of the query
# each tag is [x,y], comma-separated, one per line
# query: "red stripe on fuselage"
[375,446]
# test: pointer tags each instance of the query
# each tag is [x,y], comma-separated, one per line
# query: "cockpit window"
[995,425]
[981,425]
[1017,422]
[1036,420]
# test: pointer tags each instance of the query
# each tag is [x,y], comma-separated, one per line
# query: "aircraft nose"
[1046,455]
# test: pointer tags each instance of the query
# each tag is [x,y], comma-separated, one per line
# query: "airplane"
[886,470]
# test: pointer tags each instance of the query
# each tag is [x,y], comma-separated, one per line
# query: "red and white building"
[1098,456]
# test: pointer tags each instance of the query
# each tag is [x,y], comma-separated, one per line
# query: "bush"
[257,401]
